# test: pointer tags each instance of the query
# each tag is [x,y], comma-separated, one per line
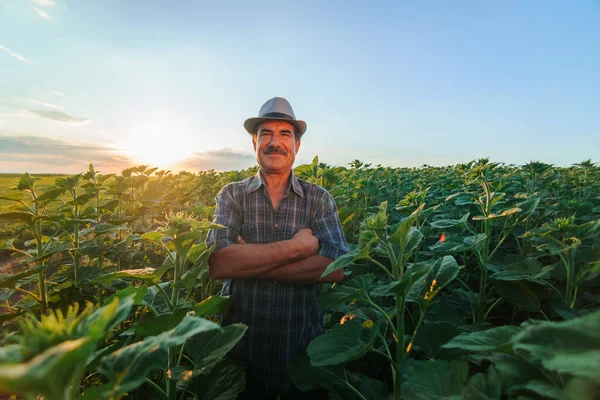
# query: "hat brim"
[251,123]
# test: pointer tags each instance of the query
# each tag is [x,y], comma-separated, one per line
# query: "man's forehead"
[276,125]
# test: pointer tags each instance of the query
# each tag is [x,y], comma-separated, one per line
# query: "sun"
[157,145]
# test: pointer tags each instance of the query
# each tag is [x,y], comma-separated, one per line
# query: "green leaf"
[371,389]
[101,321]
[189,278]
[21,216]
[158,324]
[435,380]
[50,373]
[207,348]
[144,274]
[431,336]
[515,372]
[484,341]
[306,377]
[449,247]
[50,195]
[199,253]
[212,305]
[570,347]
[441,274]
[346,291]
[413,240]
[155,298]
[526,270]
[401,231]
[187,328]
[412,274]
[138,294]
[475,241]
[544,389]
[155,237]
[342,343]
[341,262]
[504,213]
[128,366]
[224,382]
[520,293]
[528,207]
[9,281]
[449,223]
[484,387]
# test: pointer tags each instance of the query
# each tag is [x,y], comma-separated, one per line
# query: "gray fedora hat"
[276,108]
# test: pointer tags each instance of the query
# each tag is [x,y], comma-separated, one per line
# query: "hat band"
[276,115]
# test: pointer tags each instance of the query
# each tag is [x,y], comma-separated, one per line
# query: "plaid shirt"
[282,318]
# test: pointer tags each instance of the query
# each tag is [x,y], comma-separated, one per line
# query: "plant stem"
[176,277]
[155,386]
[389,358]
[171,384]
[181,353]
[351,387]
[384,315]
[185,389]
[490,309]
[412,340]
[166,296]
[383,268]
[28,293]
[387,350]
[399,343]
[484,258]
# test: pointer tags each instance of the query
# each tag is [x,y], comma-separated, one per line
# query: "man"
[280,235]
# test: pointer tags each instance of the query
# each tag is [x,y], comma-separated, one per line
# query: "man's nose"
[274,140]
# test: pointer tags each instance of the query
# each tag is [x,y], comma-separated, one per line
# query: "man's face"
[276,146]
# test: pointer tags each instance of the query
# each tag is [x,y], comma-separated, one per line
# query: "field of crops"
[474,281]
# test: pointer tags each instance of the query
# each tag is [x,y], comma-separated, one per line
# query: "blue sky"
[397,83]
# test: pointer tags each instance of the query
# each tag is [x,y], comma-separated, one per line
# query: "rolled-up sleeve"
[327,228]
[227,213]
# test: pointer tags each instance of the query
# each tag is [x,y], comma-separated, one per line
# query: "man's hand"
[307,243]
[248,260]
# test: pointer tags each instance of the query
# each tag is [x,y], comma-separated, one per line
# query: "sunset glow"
[156,145]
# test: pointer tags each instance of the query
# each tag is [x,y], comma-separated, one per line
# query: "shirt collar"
[258,181]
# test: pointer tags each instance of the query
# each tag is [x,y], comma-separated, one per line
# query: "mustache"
[274,150]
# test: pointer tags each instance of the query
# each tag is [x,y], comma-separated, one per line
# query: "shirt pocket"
[249,232]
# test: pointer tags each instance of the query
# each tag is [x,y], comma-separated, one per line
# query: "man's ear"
[297,145]
[254,142]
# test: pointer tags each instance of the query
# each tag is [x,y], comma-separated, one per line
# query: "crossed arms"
[289,261]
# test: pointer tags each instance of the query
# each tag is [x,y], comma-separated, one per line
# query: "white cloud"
[60,116]
[43,3]
[17,56]
[46,104]
[41,13]
[19,153]
[219,160]
[61,94]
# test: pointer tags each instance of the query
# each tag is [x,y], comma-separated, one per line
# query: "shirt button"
[276,226]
